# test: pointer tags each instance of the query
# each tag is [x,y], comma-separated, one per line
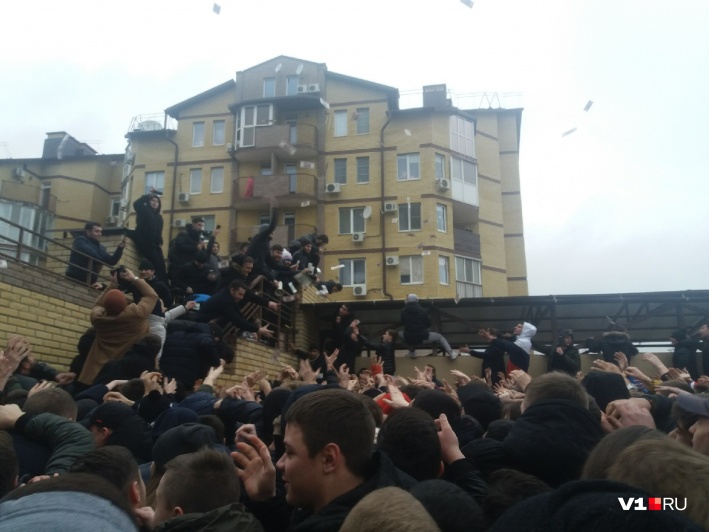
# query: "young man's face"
[237,294]
[700,435]
[147,274]
[95,233]
[247,267]
[154,203]
[308,248]
[277,254]
[568,340]
[518,329]
[198,226]
[344,311]
[314,354]
[301,474]
[704,331]
[386,337]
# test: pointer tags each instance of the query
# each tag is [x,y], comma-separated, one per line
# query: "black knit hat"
[184,439]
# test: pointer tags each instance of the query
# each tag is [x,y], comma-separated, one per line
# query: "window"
[351,220]
[443,276]
[462,135]
[196,181]
[266,169]
[209,222]
[363,121]
[247,119]
[264,218]
[468,277]
[154,180]
[115,207]
[409,217]
[441,218]
[218,133]
[216,185]
[340,123]
[464,171]
[292,172]
[269,87]
[198,134]
[411,269]
[289,222]
[362,169]
[408,166]
[440,166]
[341,171]
[353,272]
[292,85]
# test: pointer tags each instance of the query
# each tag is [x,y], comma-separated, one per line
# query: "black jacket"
[416,323]
[222,306]
[189,351]
[148,222]
[183,248]
[569,362]
[610,344]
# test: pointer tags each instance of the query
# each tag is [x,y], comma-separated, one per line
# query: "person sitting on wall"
[88,255]
[416,323]
[147,234]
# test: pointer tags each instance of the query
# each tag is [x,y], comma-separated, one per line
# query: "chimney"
[436,96]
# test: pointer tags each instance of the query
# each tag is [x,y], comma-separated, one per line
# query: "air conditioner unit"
[229,147]
[390,206]
[111,220]
[443,184]
[359,290]
[333,188]
[358,237]
[18,172]
[183,197]
[179,223]
[392,260]
[314,87]
[302,89]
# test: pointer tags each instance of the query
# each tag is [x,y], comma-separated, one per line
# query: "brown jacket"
[116,334]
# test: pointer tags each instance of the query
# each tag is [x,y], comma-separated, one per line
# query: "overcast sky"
[616,206]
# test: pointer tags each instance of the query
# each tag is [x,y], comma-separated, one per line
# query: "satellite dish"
[299,69]
[278,67]
[367,212]
[150,125]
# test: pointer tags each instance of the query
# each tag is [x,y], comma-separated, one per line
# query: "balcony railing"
[466,242]
[298,187]
[15,191]
[294,141]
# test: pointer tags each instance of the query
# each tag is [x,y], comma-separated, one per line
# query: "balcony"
[14,191]
[466,243]
[262,141]
[283,234]
[291,190]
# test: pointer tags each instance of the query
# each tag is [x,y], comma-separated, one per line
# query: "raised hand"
[256,470]
[622,360]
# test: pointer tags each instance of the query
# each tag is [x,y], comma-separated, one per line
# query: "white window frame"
[338,166]
[405,219]
[441,216]
[195,181]
[154,180]
[464,171]
[475,270]
[115,206]
[444,276]
[197,134]
[352,268]
[440,166]
[257,119]
[216,180]
[412,161]
[353,218]
[210,222]
[339,124]
[292,85]
[218,132]
[414,265]
[363,121]
[269,87]
[462,135]
[362,164]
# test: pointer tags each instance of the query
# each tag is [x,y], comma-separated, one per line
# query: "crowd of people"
[120,443]
[140,434]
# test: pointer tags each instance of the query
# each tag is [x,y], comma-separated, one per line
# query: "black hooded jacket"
[148,222]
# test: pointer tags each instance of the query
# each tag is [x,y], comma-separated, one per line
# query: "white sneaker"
[453,354]
[411,354]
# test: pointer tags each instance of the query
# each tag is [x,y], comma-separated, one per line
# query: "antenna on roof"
[278,67]
[299,69]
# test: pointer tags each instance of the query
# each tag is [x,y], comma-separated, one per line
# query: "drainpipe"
[382,230]
[174,185]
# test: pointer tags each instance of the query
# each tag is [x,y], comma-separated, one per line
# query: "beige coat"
[116,334]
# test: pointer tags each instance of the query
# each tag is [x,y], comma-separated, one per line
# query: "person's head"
[53,401]
[389,510]
[605,387]
[313,352]
[606,451]
[134,389]
[93,230]
[198,223]
[704,329]
[336,287]
[409,437]
[329,437]
[566,338]
[364,374]
[677,336]
[344,310]
[9,466]
[155,202]
[452,509]
[307,246]
[554,385]
[699,406]
[247,265]
[215,248]
[666,468]
[114,302]
[412,298]
[146,269]
[389,336]
[430,369]
[435,403]
[322,239]
[277,252]
[237,289]
[201,259]
[196,483]
[117,465]
[506,487]
[518,329]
